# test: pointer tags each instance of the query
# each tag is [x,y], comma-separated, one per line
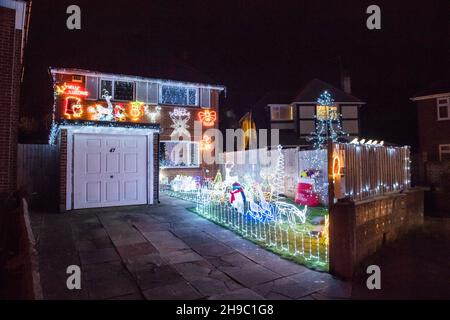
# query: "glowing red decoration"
[207,117]
[72,107]
[72,90]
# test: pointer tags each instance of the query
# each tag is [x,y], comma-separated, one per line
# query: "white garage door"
[109,170]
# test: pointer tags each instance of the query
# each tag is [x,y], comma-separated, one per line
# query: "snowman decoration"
[237,197]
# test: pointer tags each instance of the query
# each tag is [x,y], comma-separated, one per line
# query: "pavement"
[166,252]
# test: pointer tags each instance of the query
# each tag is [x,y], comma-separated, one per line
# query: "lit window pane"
[323,112]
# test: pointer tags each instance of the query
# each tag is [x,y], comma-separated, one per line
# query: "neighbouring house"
[295,113]
[13,33]
[433,159]
[433,113]
[118,135]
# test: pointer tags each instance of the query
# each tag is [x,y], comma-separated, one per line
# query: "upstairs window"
[443,108]
[123,90]
[281,113]
[176,95]
[326,112]
[444,152]
[119,90]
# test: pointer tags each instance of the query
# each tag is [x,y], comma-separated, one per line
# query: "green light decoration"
[218,178]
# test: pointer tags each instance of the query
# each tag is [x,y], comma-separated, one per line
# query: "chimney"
[347,84]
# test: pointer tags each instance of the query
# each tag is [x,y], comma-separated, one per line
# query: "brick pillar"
[10,80]
[342,239]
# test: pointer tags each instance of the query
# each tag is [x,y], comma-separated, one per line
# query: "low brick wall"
[359,229]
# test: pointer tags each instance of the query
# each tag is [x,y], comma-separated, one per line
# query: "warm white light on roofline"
[121,77]
[369,142]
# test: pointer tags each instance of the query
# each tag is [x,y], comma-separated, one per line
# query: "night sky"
[252,47]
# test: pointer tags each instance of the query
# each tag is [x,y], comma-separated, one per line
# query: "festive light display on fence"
[369,143]
[392,169]
[267,218]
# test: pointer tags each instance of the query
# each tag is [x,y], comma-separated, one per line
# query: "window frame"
[441,105]
[113,89]
[187,88]
[279,107]
[441,151]
[196,166]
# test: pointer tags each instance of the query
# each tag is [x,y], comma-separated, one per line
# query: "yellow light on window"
[325,112]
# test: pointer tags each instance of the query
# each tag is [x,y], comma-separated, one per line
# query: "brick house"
[295,113]
[115,135]
[433,112]
[433,158]
[13,32]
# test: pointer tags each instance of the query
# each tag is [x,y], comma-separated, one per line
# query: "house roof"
[177,75]
[312,90]
[433,90]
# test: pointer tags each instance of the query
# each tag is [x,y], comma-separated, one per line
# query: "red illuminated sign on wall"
[207,117]
[72,90]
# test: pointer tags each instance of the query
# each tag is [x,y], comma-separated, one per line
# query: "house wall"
[163,120]
[10,80]
[304,121]
[431,131]
[204,170]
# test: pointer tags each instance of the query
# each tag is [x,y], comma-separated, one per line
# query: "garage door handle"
[111,177]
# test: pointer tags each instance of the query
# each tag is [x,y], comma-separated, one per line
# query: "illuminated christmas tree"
[278,180]
[328,122]
[218,178]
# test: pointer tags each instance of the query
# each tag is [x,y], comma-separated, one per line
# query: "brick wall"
[10,74]
[431,131]
[358,230]
[204,170]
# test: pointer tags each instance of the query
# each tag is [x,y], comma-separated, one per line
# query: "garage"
[109,170]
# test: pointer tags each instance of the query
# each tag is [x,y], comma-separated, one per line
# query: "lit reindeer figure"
[152,114]
[291,212]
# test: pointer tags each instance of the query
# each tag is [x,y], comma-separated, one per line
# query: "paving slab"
[99,256]
[176,291]
[167,252]
[240,294]
[251,275]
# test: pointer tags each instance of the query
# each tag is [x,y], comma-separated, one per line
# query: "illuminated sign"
[72,90]
[207,117]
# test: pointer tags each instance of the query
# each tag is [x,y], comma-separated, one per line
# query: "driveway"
[165,252]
